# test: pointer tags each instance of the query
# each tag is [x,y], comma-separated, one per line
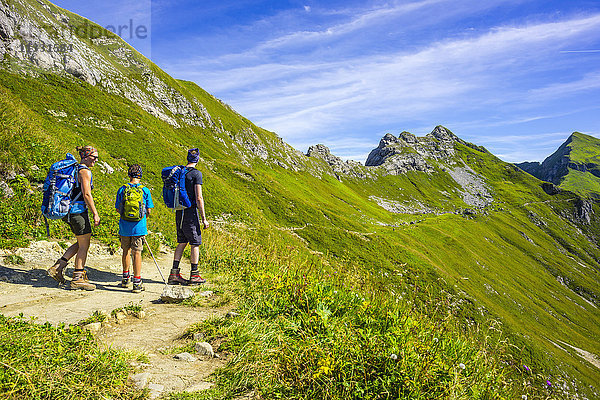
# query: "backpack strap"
[77,184]
[173,170]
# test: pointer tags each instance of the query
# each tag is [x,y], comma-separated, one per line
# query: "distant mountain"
[575,166]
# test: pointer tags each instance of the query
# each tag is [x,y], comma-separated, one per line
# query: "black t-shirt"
[192,178]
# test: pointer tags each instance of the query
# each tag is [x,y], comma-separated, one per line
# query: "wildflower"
[526,368]
[461,366]
[393,357]
[549,384]
[524,397]
[435,340]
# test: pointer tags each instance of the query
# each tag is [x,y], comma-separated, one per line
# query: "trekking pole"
[155,263]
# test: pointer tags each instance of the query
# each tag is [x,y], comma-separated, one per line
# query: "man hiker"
[133,203]
[188,224]
[79,222]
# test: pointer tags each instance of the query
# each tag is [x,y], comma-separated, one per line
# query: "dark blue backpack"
[174,194]
[58,186]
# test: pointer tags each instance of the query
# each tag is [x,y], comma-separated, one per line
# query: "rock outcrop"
[398,155]
[339,166]
[584,211]
[51,41]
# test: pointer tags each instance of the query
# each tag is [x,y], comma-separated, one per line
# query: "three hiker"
[79,222]
[133,202]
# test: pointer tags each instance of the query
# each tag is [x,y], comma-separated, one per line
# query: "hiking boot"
[177,279]
[125,282]
[138,287]
[80,281]
[56,271]
[196,280]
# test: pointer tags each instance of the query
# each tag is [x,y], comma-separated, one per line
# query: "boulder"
[176,294]
[5,190]
[42,59]
[185,357]
[78,70]
[93,327]
[139,381]
[204,349]
[106,168]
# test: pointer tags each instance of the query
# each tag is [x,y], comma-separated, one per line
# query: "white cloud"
[307,96]
[403,84]
[589,81]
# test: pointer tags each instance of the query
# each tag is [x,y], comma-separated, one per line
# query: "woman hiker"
[79,222]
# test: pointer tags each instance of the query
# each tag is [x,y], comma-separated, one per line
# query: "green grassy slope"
[575,166]
[584,176]
[522,261]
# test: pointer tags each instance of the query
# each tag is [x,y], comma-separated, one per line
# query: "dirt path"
[27,289]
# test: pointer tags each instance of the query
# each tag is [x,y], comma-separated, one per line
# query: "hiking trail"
[27,289]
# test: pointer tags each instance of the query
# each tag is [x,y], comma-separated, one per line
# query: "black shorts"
[79,223]
[188,226]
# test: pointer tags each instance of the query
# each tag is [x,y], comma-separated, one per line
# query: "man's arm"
[200,205]
[85,177]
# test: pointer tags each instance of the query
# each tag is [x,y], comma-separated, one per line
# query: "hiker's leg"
[194,254]
[80,280]
[83,242]
[56,271]
[195,278]
[179,251]
[175,277]
[137,263]
[126,256]
[126,259]
[137,245]
[71,251]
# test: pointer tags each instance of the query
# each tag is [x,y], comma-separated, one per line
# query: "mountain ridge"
[574,166]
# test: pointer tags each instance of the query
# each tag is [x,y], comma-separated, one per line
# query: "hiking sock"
[126,275]
[137,280]
[176,265]
[78,274]
[195,270]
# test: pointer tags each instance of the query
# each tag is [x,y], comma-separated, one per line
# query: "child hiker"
[133,202]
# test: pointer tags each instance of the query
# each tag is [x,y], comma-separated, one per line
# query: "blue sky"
[516,76]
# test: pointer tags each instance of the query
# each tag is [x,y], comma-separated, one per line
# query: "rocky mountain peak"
[408,137]
[556,166]
[410,153]
[444,134]
[319,151]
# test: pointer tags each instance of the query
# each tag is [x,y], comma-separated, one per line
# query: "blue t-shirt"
[130,228]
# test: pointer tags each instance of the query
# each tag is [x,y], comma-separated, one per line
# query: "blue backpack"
[58,186]
[174,194]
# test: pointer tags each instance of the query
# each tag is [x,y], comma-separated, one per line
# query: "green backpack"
[132,205]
